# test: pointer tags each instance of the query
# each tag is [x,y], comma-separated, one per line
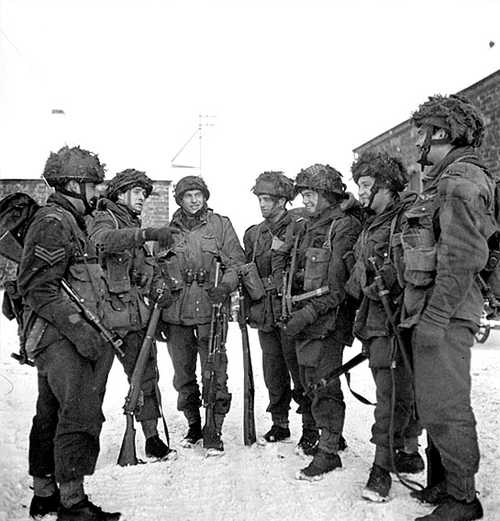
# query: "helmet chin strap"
[89,205]
[373,192]
[423,160]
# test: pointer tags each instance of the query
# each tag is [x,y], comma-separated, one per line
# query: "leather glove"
[428,334]
[299,320]
[349,202]
[162,235]
[218,294]
[166,299]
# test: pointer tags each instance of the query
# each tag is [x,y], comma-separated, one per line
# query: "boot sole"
[373,496]
[214,453]
[186,444]
[303,477]
[170,456]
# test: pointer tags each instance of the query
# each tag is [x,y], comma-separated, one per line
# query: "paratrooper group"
[396,269]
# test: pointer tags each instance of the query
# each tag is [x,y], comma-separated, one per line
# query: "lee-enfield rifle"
[249,434]
[128,455]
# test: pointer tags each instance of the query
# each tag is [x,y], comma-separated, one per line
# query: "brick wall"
[485,94]
[155,213]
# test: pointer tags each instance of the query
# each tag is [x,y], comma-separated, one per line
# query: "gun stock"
[128,455]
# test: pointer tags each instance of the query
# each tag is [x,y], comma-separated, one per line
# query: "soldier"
[201,237]
[133,278]
[445,240]
[321,324]
[380,178]
[279,359]
[67,350]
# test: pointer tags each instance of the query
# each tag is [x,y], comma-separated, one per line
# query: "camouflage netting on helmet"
[323,178]
[73,164]
[388,171]
[275,184]
[190,182]
[457,115]
[126,180]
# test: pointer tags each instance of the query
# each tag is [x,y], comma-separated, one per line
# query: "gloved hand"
[299,320]
[428,334]
[218,294]
[166,299]
[162,235]
[349,202]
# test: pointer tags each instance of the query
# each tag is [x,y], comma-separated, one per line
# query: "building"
[400,140]
[155,213]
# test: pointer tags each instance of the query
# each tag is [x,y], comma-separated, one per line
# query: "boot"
[277,433]
[214,446]
[41,506]
[322,463]
[85,511]
[454,510]
[433,495]
[308,443]
[378,485]
[193,435]
[155,448]
[408,463]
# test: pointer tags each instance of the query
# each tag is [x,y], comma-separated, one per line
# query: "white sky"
[290,82]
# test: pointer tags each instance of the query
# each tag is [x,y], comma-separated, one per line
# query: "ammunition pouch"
[87,279]
[419,247]
[420,265]
[118,272]
[316,268]
[252,281]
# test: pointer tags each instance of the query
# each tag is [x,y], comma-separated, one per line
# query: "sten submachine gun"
[215,348]
[13,251]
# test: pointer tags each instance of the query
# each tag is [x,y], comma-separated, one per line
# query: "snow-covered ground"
[247,483]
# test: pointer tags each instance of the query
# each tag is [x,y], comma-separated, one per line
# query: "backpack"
[16,213]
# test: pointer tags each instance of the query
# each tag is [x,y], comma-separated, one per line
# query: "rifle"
[249,435]
[108,335]
[383,293]
[327,380]
[128,455]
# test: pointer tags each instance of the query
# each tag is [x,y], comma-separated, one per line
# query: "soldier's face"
[436,152]
[269,206]
[192,201]
[134,198]
[310,199]
[365,184]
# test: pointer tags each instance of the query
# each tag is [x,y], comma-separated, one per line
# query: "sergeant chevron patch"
[51,257]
